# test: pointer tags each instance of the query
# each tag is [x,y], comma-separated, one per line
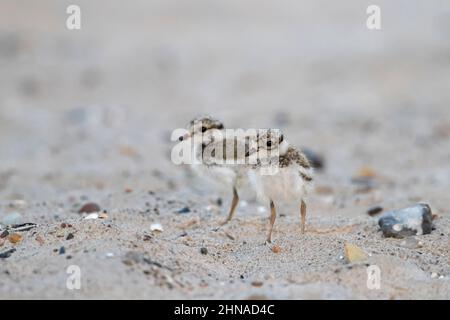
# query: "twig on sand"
[23,227]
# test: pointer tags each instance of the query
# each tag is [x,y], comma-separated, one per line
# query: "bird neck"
[284,147]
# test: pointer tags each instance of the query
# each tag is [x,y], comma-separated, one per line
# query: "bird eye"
[203,129]
[181,138]
[269,143]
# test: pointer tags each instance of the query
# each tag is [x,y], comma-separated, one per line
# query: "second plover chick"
[282,173]
[211,150]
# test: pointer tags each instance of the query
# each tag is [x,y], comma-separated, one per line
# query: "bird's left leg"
[273,215]
[234,203]
[303,215]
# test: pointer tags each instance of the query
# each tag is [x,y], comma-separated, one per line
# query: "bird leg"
[273,215]
[303,215]
[234,203]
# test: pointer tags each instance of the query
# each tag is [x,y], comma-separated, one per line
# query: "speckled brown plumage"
[305,176]
[294,156]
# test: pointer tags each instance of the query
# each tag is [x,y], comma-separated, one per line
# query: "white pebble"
[156,227]
[434,275]
[91,216]
[243,204]
[109,254]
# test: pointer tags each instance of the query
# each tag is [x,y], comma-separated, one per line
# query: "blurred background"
[86,117]
[97,105]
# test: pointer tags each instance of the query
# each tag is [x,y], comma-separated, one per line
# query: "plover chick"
[281,174]
[211,150]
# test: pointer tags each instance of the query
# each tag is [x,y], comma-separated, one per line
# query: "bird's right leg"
[273,215]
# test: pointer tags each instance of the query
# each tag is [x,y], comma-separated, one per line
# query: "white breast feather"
[284,186]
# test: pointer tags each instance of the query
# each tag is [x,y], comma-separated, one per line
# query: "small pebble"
[203,250]
[90,208]
[276,249]
[70,236]
[15,238]
[374,210]
[184,210]
[40,239]
[7,253]
[156,227]
[257,283]
[62,250]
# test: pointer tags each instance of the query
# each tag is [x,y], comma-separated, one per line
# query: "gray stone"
[416,220]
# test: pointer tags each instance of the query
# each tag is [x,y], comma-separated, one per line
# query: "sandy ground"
[86,116]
